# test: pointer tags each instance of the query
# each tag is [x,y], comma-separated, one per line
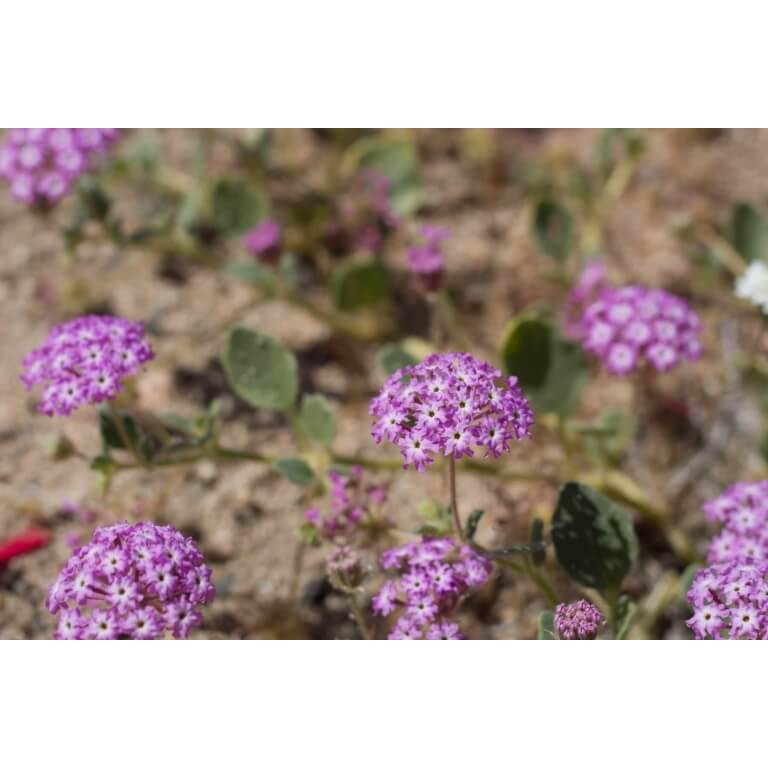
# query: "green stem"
[458,530]
[359,616]
[541,581]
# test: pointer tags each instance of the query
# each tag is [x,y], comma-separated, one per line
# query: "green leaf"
[236,206]
[296,470]
[552,370]
[261,370]
[392,357]
[358,285]
[595,540]
[749,232]
[553,230]
[94,200]
[470,527]
[625,612]
[396,158]
[251,273]
[546,625]
[110,434]
[317,419]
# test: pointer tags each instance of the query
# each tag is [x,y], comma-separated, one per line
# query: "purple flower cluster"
[625,325]
[42,164]
[731,595]
[264,241]
[435,574]
[138,581]
[85,361]
[743,512]
[426,260]
[364,216]
[730,598]
[450,404]
[350,503]
[578,621]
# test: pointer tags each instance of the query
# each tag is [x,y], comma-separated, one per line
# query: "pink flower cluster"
[426,260]
[85,361]
[627,325]
[578,621]
[364,216]
[264,241]
[435,574]
[138,581]
[731,595]
[350,503]
[42,164]
[450,404]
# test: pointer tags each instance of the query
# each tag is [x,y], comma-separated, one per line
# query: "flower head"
[352,504]
[578,621]
[452,404]
[364,215]
[730,597]
[85,362]
[435,574]
[625,326]
[743,511]
[264,241]
[137,581]
[41,164]
[753,285]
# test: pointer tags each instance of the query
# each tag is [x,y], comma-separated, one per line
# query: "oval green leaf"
[359,285]
[296,470]
[317,419]
[552,370]
[553,230]
[594,540]
[236,206]
[261,370]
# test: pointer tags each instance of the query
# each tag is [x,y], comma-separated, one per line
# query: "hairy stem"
[458,530]
[359,617]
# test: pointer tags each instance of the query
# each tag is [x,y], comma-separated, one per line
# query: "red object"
[27,541]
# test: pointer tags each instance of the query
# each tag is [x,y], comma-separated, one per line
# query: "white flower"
[753,285]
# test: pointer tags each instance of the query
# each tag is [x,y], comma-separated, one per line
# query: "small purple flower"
[42,164]
[138,581]
[85,361]
[352,503]
[578,621]
[450,404]
[264,242]
[624,326]
[426,260]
